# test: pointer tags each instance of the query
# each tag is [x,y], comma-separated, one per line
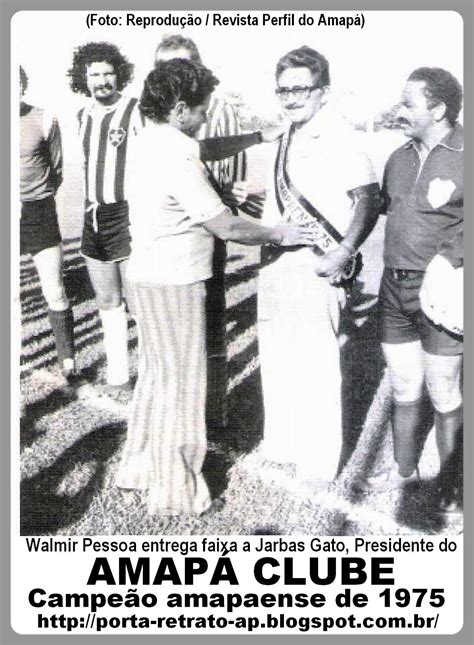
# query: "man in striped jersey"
[222,120]
[100,71]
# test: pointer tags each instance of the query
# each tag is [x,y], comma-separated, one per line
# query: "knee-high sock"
[407,423]
[62,324]
[448,427]
[114,324]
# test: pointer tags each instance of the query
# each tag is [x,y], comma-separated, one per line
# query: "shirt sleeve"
[55,152]
[192,189]
[359,170]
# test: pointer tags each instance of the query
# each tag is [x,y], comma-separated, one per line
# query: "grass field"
[69,447]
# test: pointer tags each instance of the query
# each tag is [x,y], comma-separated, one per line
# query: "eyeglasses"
[298,91]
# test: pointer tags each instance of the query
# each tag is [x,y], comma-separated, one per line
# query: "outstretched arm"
[217,148]
[236,229]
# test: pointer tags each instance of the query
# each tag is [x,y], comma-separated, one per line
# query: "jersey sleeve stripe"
[101,157]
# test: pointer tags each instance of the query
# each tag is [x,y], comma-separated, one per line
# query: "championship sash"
[294,207]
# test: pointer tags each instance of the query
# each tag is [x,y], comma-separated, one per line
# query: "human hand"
[295,234]
[235,194]
[332,263]
[272,133]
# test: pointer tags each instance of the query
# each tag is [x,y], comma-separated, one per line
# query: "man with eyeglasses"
[319,177]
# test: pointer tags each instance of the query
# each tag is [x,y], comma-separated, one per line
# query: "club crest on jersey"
[116,136]
[439,191]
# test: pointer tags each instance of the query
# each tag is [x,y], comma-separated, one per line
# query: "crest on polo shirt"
[439,191]
[116,136]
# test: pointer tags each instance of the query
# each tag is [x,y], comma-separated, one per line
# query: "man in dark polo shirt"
[41,166]
[423,193]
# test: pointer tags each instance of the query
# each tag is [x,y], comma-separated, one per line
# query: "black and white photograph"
[237,321]
[284,358]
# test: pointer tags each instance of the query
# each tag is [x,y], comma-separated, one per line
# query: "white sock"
[114,324]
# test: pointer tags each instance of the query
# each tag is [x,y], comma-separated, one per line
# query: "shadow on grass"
[32,299]
[241,276]
[35,411]
[245,423]
[243,315]
[245,402]
[28,276]
[34,316]
[57,399]
[77,283]
[45,510]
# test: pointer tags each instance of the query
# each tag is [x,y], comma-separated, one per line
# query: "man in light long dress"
[321,178]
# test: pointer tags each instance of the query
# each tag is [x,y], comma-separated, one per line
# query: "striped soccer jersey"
[222,121]
[104,133]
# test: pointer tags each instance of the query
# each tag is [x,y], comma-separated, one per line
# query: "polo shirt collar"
[454,140]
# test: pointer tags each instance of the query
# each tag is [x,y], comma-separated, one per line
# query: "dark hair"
[175,42]
[172,81]
[440,87]
[23,80]
[306,57]
[90,53]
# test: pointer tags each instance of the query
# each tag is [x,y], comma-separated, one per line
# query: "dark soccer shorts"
[39,228]
[106,233]
[401,319]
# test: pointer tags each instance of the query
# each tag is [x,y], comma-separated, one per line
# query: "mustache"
[103,87]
